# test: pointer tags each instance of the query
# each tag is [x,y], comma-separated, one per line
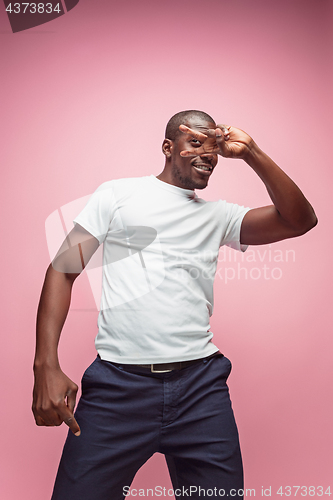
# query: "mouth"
[203,168]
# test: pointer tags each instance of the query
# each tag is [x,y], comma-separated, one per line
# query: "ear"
[167,147]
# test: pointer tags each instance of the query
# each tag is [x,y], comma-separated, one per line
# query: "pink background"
[85,99]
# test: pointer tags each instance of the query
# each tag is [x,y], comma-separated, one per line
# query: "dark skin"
[54,393]
[201,142]
[189,162]
[179,170]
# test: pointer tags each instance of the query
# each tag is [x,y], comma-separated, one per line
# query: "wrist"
[49,362]
[252,153]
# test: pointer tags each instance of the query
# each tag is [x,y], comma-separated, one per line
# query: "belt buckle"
[158,371]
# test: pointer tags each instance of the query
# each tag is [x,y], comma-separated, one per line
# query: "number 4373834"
[33,8]
[304,491]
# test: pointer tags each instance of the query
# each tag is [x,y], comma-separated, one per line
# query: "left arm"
[290,215]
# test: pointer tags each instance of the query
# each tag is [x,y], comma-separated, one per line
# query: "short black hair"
[172,128]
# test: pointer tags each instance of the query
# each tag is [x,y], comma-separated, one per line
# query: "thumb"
[72,424]
[71,398]
[66,414]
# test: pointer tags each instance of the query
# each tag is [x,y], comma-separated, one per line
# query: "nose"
[209,157]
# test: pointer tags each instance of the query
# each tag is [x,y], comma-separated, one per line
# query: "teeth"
[202,167]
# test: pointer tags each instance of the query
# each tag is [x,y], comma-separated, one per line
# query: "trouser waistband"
[164,367]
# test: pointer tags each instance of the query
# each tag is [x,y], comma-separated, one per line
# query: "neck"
[166,176]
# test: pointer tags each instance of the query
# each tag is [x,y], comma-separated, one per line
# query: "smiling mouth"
[203,167]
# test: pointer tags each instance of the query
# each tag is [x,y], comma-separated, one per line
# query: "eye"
[196,142]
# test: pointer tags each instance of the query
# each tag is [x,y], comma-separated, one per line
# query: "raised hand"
[227,141]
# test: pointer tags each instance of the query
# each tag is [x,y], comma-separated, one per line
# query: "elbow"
[309,224]
[315,221]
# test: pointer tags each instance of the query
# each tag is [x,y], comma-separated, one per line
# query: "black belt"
[166,367]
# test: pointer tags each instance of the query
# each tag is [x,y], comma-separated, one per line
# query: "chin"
[202,186]
[188,182]
[192,184]
[199,184]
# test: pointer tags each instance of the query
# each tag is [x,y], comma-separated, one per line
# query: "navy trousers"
[126,415]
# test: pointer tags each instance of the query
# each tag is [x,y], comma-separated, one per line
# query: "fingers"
[71,398]
[61,414]
[54,415]
[68,410]
[222,135]
[197,135]
[200,151]
[212,142]
[192,152]
[72,424]
[46,417]
[39,420]
[208,142]
[223,130]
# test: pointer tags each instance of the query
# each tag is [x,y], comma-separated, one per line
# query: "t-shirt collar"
[173,189]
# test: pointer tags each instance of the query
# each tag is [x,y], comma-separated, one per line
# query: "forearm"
[52,312]
[54,393]
[287,198]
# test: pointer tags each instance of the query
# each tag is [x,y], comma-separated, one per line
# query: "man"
[158,383]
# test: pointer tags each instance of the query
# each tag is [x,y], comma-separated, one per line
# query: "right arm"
[54,393]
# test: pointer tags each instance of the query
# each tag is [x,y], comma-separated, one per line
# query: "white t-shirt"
[161,245]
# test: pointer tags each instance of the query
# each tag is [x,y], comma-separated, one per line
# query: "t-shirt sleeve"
[98,212]
[232,216]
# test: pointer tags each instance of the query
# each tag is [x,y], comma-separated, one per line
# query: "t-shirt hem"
[106,355]
[88,228]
